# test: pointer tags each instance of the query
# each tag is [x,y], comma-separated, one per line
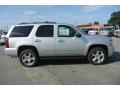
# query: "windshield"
[108,29]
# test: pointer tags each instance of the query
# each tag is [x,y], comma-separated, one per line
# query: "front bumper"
[110,50]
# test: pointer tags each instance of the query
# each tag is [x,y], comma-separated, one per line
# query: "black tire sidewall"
[33,53]
[95,49]
[110,35]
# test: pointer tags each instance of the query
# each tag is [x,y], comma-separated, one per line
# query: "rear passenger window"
[21,31]
[45,31]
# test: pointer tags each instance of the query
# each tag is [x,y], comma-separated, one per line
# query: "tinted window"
[66,31]
[21,31]
[45,31]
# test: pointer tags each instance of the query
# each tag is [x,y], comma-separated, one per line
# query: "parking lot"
[61,71]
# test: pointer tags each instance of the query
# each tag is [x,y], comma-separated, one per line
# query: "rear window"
[21,31]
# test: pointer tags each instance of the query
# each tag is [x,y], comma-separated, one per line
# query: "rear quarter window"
[21,31]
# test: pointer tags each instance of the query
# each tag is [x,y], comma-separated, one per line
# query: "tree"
[115,18]
[96,23]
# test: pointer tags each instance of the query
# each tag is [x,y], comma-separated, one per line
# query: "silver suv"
[32,41]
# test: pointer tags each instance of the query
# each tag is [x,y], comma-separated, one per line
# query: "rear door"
[45,40]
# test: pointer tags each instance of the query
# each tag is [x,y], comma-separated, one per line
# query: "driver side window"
[66,31]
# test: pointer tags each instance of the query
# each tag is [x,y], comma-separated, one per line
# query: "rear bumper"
[10,51]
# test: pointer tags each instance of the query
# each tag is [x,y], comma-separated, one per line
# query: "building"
[94,26]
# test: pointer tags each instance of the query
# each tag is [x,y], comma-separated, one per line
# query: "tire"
[110,35]
[28,58]
[118,36]
[97,56]
[96,33]
[2,44]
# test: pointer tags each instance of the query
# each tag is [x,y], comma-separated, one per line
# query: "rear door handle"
[37,40]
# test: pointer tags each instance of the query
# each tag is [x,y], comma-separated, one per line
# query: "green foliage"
[96,23]
[115,18]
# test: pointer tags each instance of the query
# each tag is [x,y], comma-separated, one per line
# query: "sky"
[72,14]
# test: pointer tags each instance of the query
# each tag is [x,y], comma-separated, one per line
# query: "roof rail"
[36,22]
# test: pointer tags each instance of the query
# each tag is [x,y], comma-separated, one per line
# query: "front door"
[67,44]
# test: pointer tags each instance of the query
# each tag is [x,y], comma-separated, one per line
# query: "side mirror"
[78,35]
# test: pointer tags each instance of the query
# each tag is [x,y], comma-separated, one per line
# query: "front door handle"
[61,41]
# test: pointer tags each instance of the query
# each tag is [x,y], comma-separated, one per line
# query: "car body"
[38,40]
[93,32]
[1,33]
[105,32]
[117,33]
[3,37]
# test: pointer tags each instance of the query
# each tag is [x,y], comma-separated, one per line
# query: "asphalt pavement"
[75,71]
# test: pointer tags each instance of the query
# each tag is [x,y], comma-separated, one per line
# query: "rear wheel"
[97,56]
[28,58]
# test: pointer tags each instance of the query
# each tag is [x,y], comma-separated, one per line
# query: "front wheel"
[97,56]
[28,58]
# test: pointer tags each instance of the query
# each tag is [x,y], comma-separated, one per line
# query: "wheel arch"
[98,45]
[21,48]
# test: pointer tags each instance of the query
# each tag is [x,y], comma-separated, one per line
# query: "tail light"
[7,43]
